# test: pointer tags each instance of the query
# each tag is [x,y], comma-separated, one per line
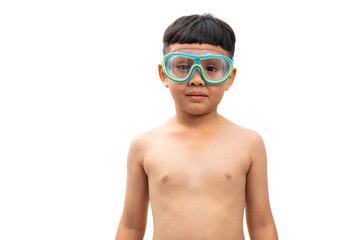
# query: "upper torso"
[197,182]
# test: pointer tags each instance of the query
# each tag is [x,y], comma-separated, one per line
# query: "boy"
[199,169]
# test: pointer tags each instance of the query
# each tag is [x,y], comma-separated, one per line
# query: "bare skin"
[199,171]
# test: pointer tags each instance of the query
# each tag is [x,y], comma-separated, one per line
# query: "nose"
[196,78]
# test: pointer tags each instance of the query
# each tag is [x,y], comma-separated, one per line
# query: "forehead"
[196,48]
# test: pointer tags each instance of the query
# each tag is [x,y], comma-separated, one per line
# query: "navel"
[165,178]
[228,176]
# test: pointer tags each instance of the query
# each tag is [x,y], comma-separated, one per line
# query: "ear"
[230,80]
[162,76]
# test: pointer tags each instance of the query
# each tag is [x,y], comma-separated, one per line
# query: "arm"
[259,219]
[133,221]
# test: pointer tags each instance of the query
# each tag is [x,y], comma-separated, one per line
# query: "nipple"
[165,178]
[228,176]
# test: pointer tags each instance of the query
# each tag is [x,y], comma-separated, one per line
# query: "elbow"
[263,231]
[126,232]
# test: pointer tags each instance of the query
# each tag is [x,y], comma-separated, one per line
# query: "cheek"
[217,92]
[176,91]
[217,98]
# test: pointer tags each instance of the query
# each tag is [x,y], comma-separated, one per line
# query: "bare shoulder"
[250,135]
[142,142]
[254,137]
[145,138]
[250,139]
[254,142]
[138,145]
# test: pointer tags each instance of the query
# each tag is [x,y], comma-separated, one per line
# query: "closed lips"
[196,94]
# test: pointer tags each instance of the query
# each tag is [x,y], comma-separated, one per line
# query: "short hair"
[200,29]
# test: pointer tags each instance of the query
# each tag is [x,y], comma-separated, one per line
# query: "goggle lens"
[179,66]
[214,68]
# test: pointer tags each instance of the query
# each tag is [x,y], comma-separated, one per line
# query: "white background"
[78,80]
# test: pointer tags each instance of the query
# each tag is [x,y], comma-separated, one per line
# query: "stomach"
[196,217]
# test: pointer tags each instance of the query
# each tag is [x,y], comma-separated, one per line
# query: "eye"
[183,67]
[211,69]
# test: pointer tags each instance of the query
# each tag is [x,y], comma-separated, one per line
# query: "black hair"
[200,29]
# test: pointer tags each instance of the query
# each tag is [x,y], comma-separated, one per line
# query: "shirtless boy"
[199,170]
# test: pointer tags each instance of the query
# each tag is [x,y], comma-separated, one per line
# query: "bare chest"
[207,166]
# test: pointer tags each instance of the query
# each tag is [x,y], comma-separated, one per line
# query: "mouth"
[196,96]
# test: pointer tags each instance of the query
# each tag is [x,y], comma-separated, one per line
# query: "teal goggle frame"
[197,64]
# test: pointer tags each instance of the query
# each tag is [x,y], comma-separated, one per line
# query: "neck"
[199,122]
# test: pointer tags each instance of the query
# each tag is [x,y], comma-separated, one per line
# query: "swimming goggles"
[214,68]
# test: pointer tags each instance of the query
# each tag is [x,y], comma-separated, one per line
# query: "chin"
[198,111]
